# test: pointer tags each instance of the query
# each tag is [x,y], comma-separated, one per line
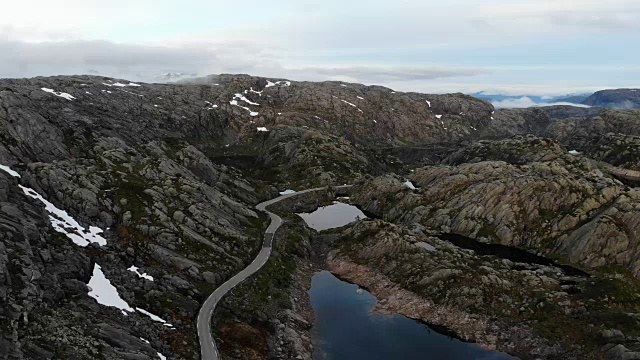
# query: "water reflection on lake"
[332,216]
[346,328]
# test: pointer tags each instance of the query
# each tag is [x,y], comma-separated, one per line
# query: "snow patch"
[154,317]
[63,223]
[428,103]
[118,84]
[438,116]
[359,97]
[243,98]
[262,129]
[277,83]
[9,171]
[234,102]
[135,269]
[100,288]
[58,93]
[346,102]
[287,192]
[574,152]
[162,357]
[425,246]
[409,184]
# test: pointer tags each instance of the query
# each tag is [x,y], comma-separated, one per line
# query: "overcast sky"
[536,47]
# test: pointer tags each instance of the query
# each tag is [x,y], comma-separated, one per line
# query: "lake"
[346,328]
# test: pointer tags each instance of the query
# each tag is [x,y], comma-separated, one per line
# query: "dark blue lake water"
[345,328]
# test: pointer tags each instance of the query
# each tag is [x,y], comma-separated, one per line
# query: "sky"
[515,47]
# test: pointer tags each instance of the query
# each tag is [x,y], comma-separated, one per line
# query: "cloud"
[399,73]
[549,15]
[142,62]
[526,102]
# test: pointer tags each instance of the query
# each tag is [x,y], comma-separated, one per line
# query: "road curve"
[207,344]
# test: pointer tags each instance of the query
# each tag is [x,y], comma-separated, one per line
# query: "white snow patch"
[135,269]
[243,98]
[277,83]
[346,102]
[425,246]
[88,93]
[375,121]
[154,317]
[409,184]
[393,92]
[58,93]
[119,84]
[234,102]
[287,192]
[438,116]
[63,223]
[574,152]
[162,357]
[262,129]
[343,85]
[359,97]
[279,113]
[145,340]
[100,288]
[107,91]
[428,103]
[9,171]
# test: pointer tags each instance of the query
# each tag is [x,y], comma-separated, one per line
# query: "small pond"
[346,328]
[332,216]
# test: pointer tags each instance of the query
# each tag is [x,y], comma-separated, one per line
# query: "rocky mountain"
[617,99]
[123,205]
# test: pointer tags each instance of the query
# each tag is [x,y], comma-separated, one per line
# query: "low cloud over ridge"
[526,102]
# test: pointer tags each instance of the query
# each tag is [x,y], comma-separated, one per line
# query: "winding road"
[207,344]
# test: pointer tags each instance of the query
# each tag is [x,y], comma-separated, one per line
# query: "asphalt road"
[207,344]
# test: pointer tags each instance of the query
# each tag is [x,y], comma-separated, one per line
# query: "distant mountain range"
[615,99]
[173,77]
